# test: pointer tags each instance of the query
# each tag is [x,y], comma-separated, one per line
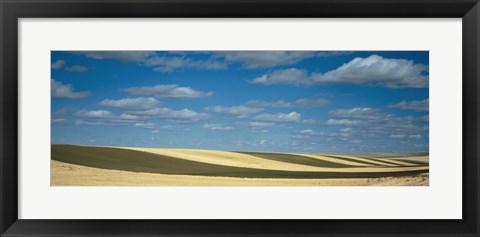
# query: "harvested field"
[88,165]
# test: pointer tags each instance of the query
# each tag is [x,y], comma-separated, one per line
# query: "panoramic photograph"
[239,118]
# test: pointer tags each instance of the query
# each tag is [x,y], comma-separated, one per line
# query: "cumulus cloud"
[60,121]
[171,91]
[101,123]
[361,113]
[131,117]
[98,114]
[105,118]
[58,64]
[317,135]
[159,129]
[342,122]
[264,59]
[315,103]
[236,111]
[169,64]
[373,70]
[140,103]
[171,61]
[158,62]
[76,68]
[415,136]
[274,104]
[256,124]
[290,76]
[279,117]
[305,103]
[398,136]
[371,123]
[122,56]
[185,115]
[66,91]
[415,105]
[145,125]
[379,71]
[217,127]
[137,118]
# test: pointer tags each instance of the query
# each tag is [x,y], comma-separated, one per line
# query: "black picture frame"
[12,10]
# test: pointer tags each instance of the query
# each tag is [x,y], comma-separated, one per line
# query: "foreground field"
[82,165]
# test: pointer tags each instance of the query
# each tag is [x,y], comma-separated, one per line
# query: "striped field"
[87,165]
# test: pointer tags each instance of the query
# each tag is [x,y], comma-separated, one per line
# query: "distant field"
[87,165]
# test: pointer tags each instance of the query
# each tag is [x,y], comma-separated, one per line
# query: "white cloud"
[398,136]
[373,70]
[131,117]
[171,91]
[174,115]
[236,111]
[415,136]
[378,71]
[317,136]
[140,103]
[217,61]
[58,64]
[274,104]
[158,129]
[256,124]
[66,91]
[147,125]
[76,68]
[375,122]
[306,103]
[217,127]
[154,60]
[60,121]
[361,113]
[264,59]
[415,105]
[122,56]
[98,114]
[107,115]
[100,123]
[341,122]
[280,117]
[138,118]
[169,64]
[291,76]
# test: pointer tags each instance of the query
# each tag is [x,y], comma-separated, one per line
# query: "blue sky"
[286,101]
